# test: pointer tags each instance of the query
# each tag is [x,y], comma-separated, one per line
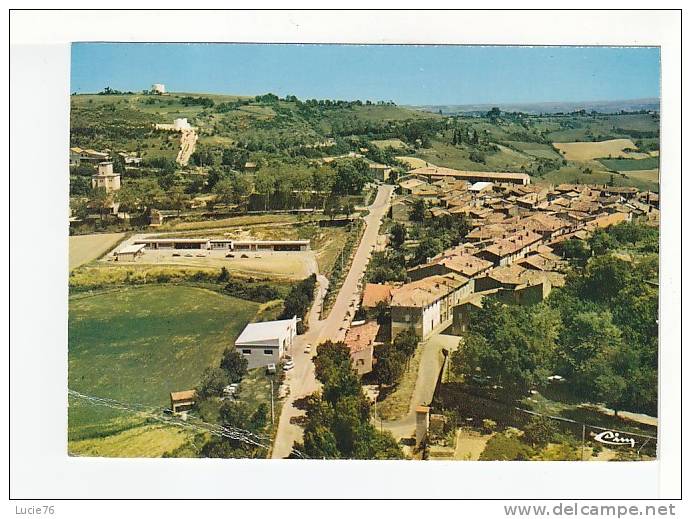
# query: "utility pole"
[583,444]
[272,401]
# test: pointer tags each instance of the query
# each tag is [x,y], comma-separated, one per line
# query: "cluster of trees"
[538,432]
[205,102]
[338,420]
[251,290]
[390,265]
[299,300]
[599,331]
[238,415]
[436,234]
[232,368]
[394,358]
[107,91]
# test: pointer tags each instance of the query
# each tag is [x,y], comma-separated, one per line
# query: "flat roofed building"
[229,244]
[130,252]
[266,343]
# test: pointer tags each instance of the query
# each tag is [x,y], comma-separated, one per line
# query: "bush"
[234,364]
[212,383]
[258,292]
[502,447]
[539,431]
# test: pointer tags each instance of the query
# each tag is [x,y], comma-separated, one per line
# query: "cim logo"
[613,438]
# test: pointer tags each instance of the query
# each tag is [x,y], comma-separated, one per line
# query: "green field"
[577,175]
[138,344]
[631,164]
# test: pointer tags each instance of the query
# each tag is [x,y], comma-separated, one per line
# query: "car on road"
[308,348]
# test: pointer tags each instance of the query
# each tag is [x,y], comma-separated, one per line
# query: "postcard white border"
[39,142]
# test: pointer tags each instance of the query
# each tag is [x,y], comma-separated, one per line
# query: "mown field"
[614,148]
[136,345]
[88,247]
[631,164]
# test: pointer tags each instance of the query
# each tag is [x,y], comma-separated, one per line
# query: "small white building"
[182,124]
[158,88]
[266,343]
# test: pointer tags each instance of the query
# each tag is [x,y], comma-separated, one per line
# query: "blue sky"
[404,74]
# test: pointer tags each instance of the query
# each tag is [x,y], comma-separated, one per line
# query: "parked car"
[271,369]
[288,365]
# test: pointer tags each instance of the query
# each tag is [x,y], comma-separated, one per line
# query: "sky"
[405,74]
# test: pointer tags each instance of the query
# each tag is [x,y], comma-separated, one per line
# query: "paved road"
[301,380]
[428,372]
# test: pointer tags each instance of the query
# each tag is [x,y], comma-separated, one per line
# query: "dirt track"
[188,142]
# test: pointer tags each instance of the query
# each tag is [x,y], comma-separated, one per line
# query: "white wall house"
[266,343]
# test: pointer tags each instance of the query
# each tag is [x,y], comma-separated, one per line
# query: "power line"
[192,423]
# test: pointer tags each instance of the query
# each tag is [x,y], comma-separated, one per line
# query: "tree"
[150,193]
[503,447]
[212,383]
[224,191]
[513,345]
[242,187]
[604,278]
[178,198]
[332,206]
[418,210]
[234,364]
[540,430]
[406,342]
[428,247]
[601,242]
[264,184]
[79,186]
[390,364]
[118,164]
[398,235]
[575,249]
[223,276]
[101,200]
[129,197]
[338,420]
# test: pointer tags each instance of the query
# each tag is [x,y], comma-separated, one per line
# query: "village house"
[426,304]
[182,400]
[505,251]
[361,340]
[380,172]
[516,285]
[79,155]
[462,263]
[374,294]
